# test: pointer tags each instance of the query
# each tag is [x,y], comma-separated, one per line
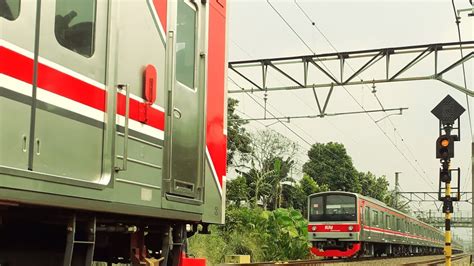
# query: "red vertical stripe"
[216,140]
[161,7]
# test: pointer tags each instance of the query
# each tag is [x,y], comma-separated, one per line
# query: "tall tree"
[238,139]
[374,187]
[296,196]
[269,166]
[237,191]
[329,164]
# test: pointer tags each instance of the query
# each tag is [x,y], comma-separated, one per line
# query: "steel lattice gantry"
[312,65]
[432,196]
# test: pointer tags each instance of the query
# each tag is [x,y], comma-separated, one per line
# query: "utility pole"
[448,111]
[397,189]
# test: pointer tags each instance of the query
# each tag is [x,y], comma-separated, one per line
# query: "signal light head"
[445,147]
[444,143]
[445,175]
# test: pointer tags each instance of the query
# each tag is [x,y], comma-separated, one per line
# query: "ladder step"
[84,242]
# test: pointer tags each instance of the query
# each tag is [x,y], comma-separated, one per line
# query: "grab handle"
[125,129]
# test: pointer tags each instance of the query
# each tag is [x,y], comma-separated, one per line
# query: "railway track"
[455,258]
[418,260]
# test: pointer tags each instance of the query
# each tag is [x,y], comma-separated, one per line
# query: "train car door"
[186,105]
[17,38]
[70,96]
[367,222]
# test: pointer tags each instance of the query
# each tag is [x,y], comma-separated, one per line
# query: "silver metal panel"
[15,115]
[135,42]
[186,115]
[74,149]
[138,45]
[50,49]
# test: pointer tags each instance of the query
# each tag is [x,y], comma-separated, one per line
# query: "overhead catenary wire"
[458,21]
[302,101]
[313,23]
[350,94]
[288,24]
[285,125]
[270,113]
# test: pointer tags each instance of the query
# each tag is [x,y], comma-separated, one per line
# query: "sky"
[403,143]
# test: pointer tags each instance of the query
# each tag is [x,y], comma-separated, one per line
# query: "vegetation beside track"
[266,202]
[280,235]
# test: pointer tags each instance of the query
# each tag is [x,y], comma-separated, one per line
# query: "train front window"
[333,208]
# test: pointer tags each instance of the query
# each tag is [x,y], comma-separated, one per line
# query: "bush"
[264,235]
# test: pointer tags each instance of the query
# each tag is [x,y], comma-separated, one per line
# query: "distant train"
[112,129]
[343,224]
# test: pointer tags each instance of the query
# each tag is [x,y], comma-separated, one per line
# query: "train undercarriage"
[335,248]
[48,236]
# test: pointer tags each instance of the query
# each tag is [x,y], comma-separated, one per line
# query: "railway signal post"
[448,111]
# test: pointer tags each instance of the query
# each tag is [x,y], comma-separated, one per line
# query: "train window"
[398,225]
[10,9]
[387,221]
[367,215]
[375,217]
[74,25]
[333,207]
[381,220]
[316,206]
[185,44]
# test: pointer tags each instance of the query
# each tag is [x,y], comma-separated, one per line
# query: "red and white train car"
[343,224]
[113,128]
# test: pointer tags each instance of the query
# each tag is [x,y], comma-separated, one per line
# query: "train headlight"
[350,227]
[313,228]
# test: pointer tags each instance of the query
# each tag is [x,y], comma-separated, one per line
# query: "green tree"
[269,165]
[329,164]
[238,139]
[374,187]
[297,196]
[237,191]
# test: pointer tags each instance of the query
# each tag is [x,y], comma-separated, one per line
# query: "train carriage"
[112,128]
[344,224]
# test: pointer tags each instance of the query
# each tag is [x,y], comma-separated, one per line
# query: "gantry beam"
[432,218]
[432,196]
[314,67]
[321,115]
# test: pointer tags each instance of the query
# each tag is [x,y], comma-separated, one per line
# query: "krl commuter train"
[112,129]
[343,224]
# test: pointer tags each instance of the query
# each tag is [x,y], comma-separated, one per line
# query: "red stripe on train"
[380,230]
[20,67]
[16,65]
[333,228]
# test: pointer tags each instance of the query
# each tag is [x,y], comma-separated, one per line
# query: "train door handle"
[177,113]
[125,127]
